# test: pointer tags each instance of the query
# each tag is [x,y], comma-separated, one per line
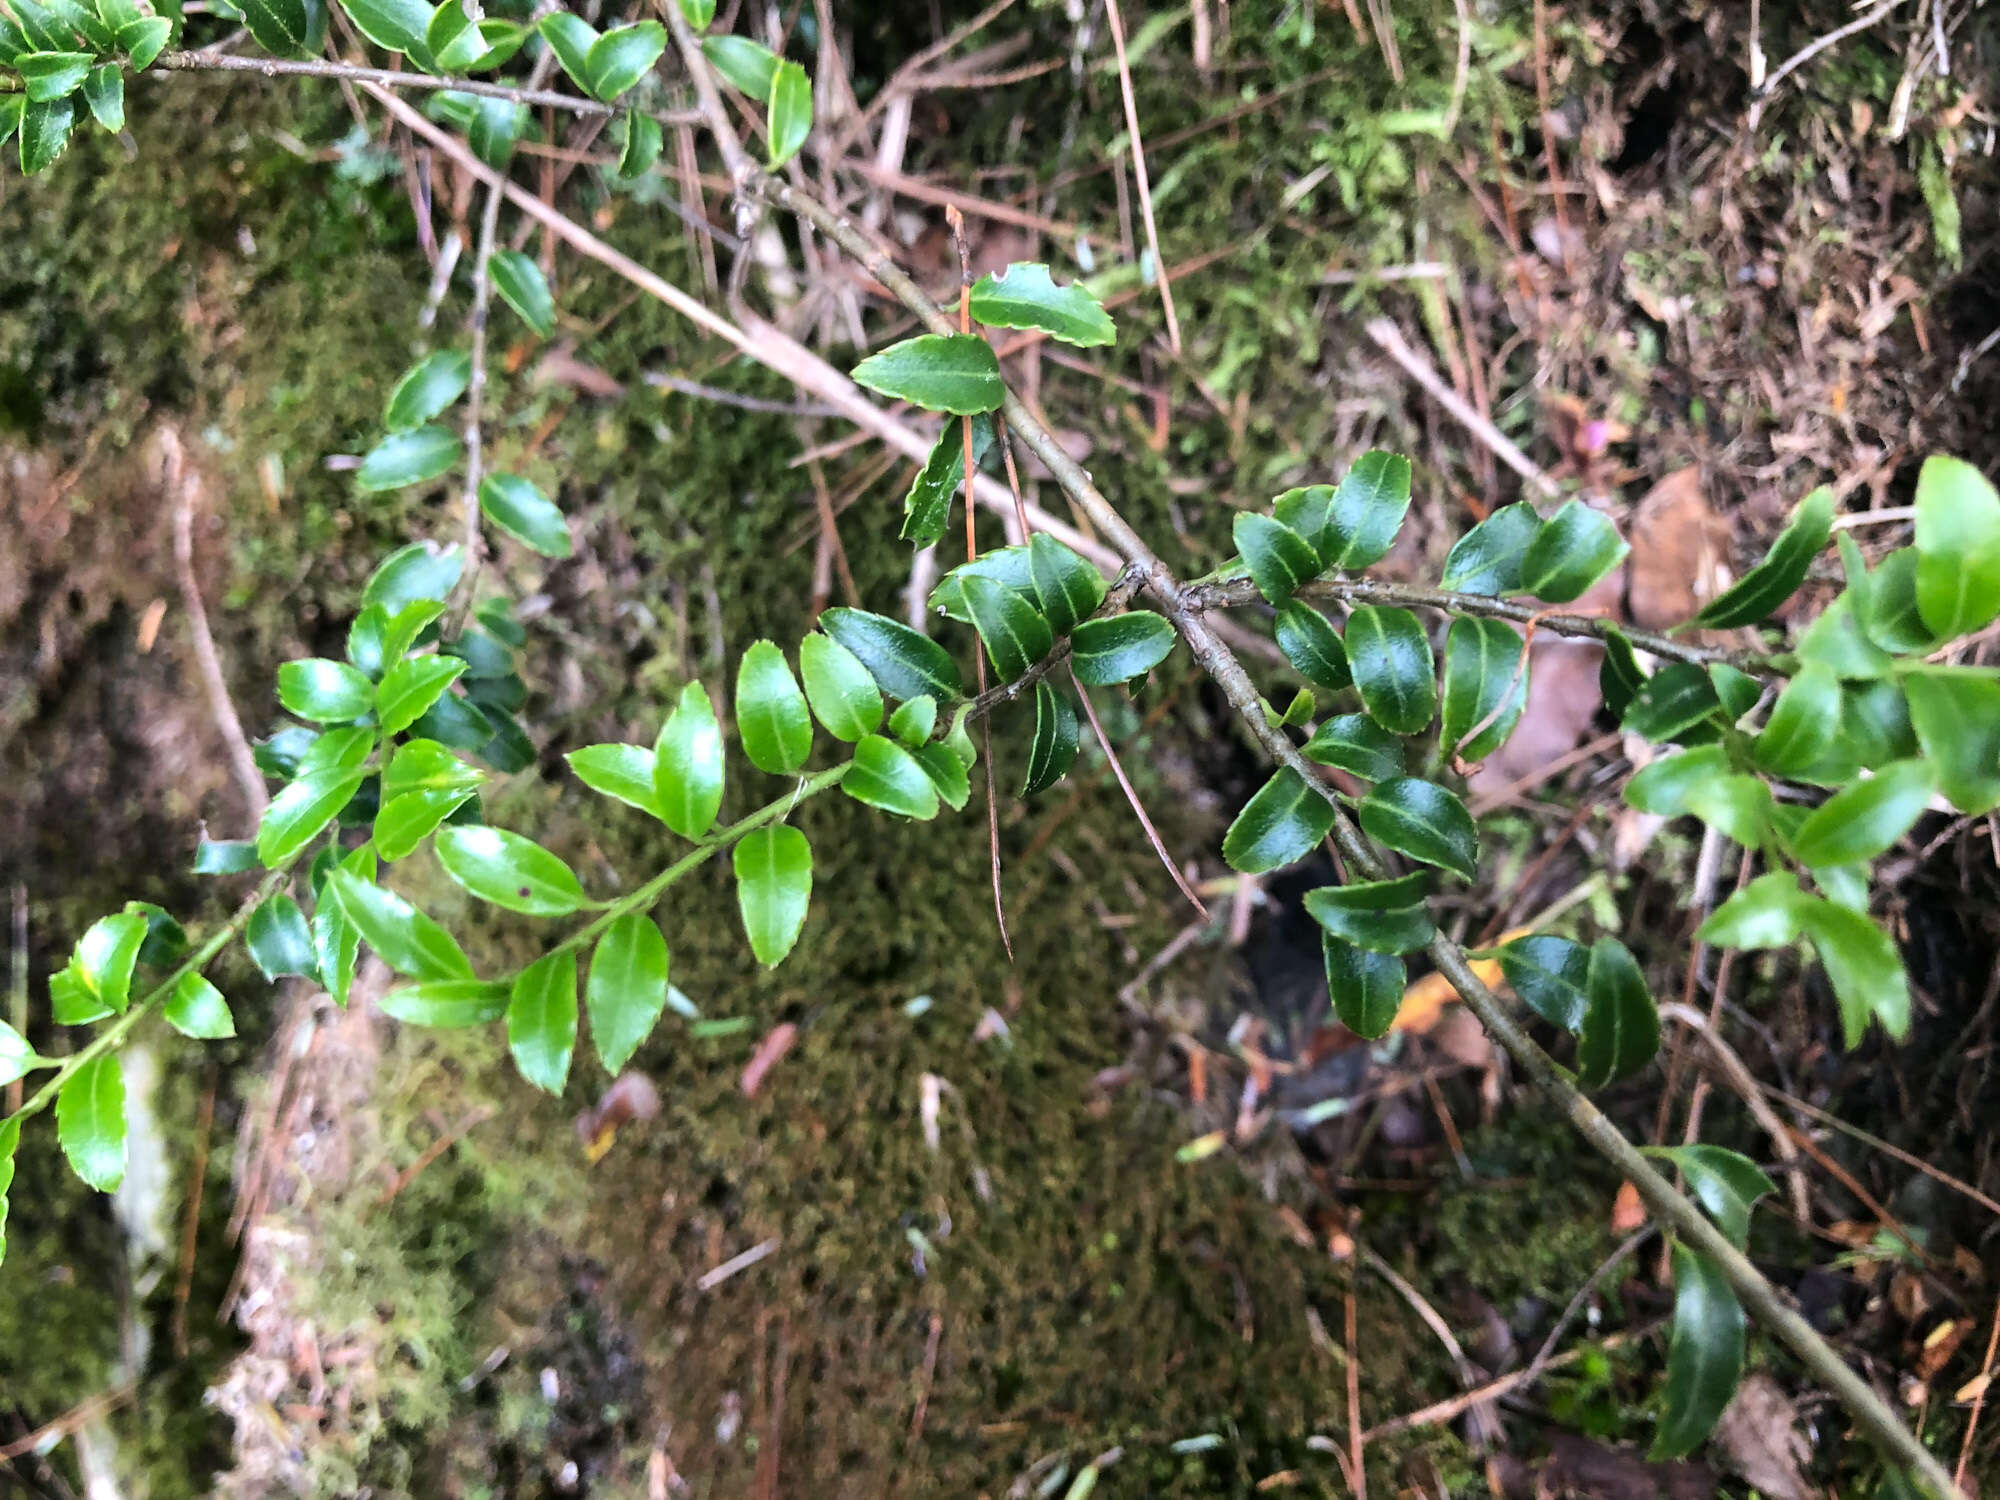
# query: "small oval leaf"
[627,988]
[771,715]
[1053,750]
[841,690]
[1282,822]
[1423,820]
[1119,647]
[956,373]
[508,870]
[541,1020]
[773,889]
[688,766]
[1390,659]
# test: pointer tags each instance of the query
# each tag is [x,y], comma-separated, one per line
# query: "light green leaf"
[570,38]
[1390,658]
[508,870]
[947,772]
[1738,807]
[698,13]
[789,115]
[1356,743]
[1764,914]
[336,946]
[521,510]
[622,56]
[44,132]
[955,373]
[397,25]
[1053,750]
[773,889]
[904,662]
[1119,647]
[625,772]
[1483,669]
[406,940]
[771,716]
[1366,513]
[224,857]
[17,1060]
[410,687]
[1552,977]
[541,1020]
[1802,739]
[627,988]
[1383,916]
[1487,559]
[1282,822]
[300,810]
[10,1141]
[1067,589]
[1663,788]
[278,939]
[1312,645]
[1836,640]
[428,387]
[1955,712]
[1958,544]
[749,66]
[446,1004]
[1280,559]
[1423,820]
[1704,1356]
[406,458]
[1366,988]
[1757,595]
[1025,296]
[688,766]
[1861,964]
[927,507]
[639,142]
[11,106]
[1575,547]
[106,955]
[413,574]
[1887,607]
[196,1009]
[405,821]
[1868,817]
[1621,1025]
[455,44]
[1724,1182]
[840,689]
[1016,636]
[323,691]
[90,1122]
[521,286]
[104,92]
[914,722]
[885,776]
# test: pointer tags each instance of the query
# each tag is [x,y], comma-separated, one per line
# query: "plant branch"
[475,396]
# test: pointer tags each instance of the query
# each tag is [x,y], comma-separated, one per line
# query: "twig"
[1978,1398]
[1811,50]
[1139,173]
[708,1281]
[432,1152]
[1357,1476]
[1545,1354]
[475,396]
[1389,339]
[1176,946]
[722,397]
[1132,796]
[930,1371]
[83,1413]
[1908,1159]
[191,1220]
[1433,1320]
[830,532]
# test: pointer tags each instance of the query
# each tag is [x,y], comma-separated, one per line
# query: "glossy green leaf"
[44,132]
[1958,545]
[301,810]
[773,889]
[1119,647]
[1390,657]
[1738,807]
[904,662]
[1621,1025]
[1836,640]
[1312,645]
[698,13]
[1068,590]
[323,691]
[1620,677]
[947,772]
[1306,510]
[622,772]
[884,775]
[104,92]
[409,575]
[1664,787]
[927,508]
[1025,296]
[956,373]
[90,1122]
[789,116]
[1955,712]
[336,948]
[1724,1182]
[521,286]
[105,956]
[1862,965]
[1803,735]
[1283,821]
[1757,595]
[429,386]
[1764,914]
[224,857]
[639,141]
[49,76]
[446,1004]
[397,25]
[1423,820]
[70,1000]
[425,765]
[914,721]
[1015,634]
[688,765]
[166,941]
[1383,916]
[1574,548]
[196,1009]
[456,43]
[1888,609]
[1053,750]
[541,1020]
[1280,559]
[1674,700]
[11,106]
[1485,687]
[406,458]
[621,57]
[1867,818]
[771,715]
[570,38]
[1552,977]
[1299,710]
[508,870]
[627,988]
[1736,691]
[1367,511]
[1366,988]
[406,939]
[521,510]
[1010,567]
[1488,558]
[1356,743]
[1875,729]
[17,1060]
[1704,1356]
[410,687]
[144,39]
[749,66]
[840,689]
[278,939]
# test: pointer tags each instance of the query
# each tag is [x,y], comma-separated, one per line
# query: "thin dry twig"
[1908,1159]
[1389,339]
[475,391]
[1357,1440]
[1132,796]
[1811,50]
[708,1281]
[1978,1398]
[1139,174]
[81,1415]
[191,1220]
[1747,1089]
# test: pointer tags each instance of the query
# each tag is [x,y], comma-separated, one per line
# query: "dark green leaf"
[624,772]
[1874,729]
[750,66]
[279,941]
[885,776]
[1802,739]
[1390,658]
[946,771]
[1280,559]
[421,571]
[1306,510]
[11,106]
[1067,589]
[841,690]
[496,127]
[1674,700]
[406,458]
[90,1122]
[1552,977]
[104,92]
[1016,636]
[406,940]
[1367,512]
[144,39]
[904,662]
[1312,645]
[1888,609]
[914,722]
[1383,916]
[1366,988]
[509,871]
[639,141]
[410,687]
[955,372]
[541,1020]
[1724,1182]
[687,765]
[196,1009]
[521,286]
[1487,559]
[1119,647]
[323,691]
[773,889]
[1704,1356]
[1620,677]
[1282,822]
[789,116]
[166,941]
[1621,1025]
[1423,820]
[621,57]
[521,510]
[1955,712]
[224,857]
[49,76]
[771,716]
[1861,964]
[398,25]
[1008,566]
[1483,669]
[1757,595]
[1356,743]
[1575,547]
[1958,543]
[1868,817]
[44,132]
[1054,748]
[300,810]
[1024,296]
[570,38]
[1736,691]
[927,507]
[430,385]
[627,988]
[446,1004]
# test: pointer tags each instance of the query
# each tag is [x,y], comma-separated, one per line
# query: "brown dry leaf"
[1628,1210]
[1678,545]
[1759,1434]
[1940,1344]
[1908,1297]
